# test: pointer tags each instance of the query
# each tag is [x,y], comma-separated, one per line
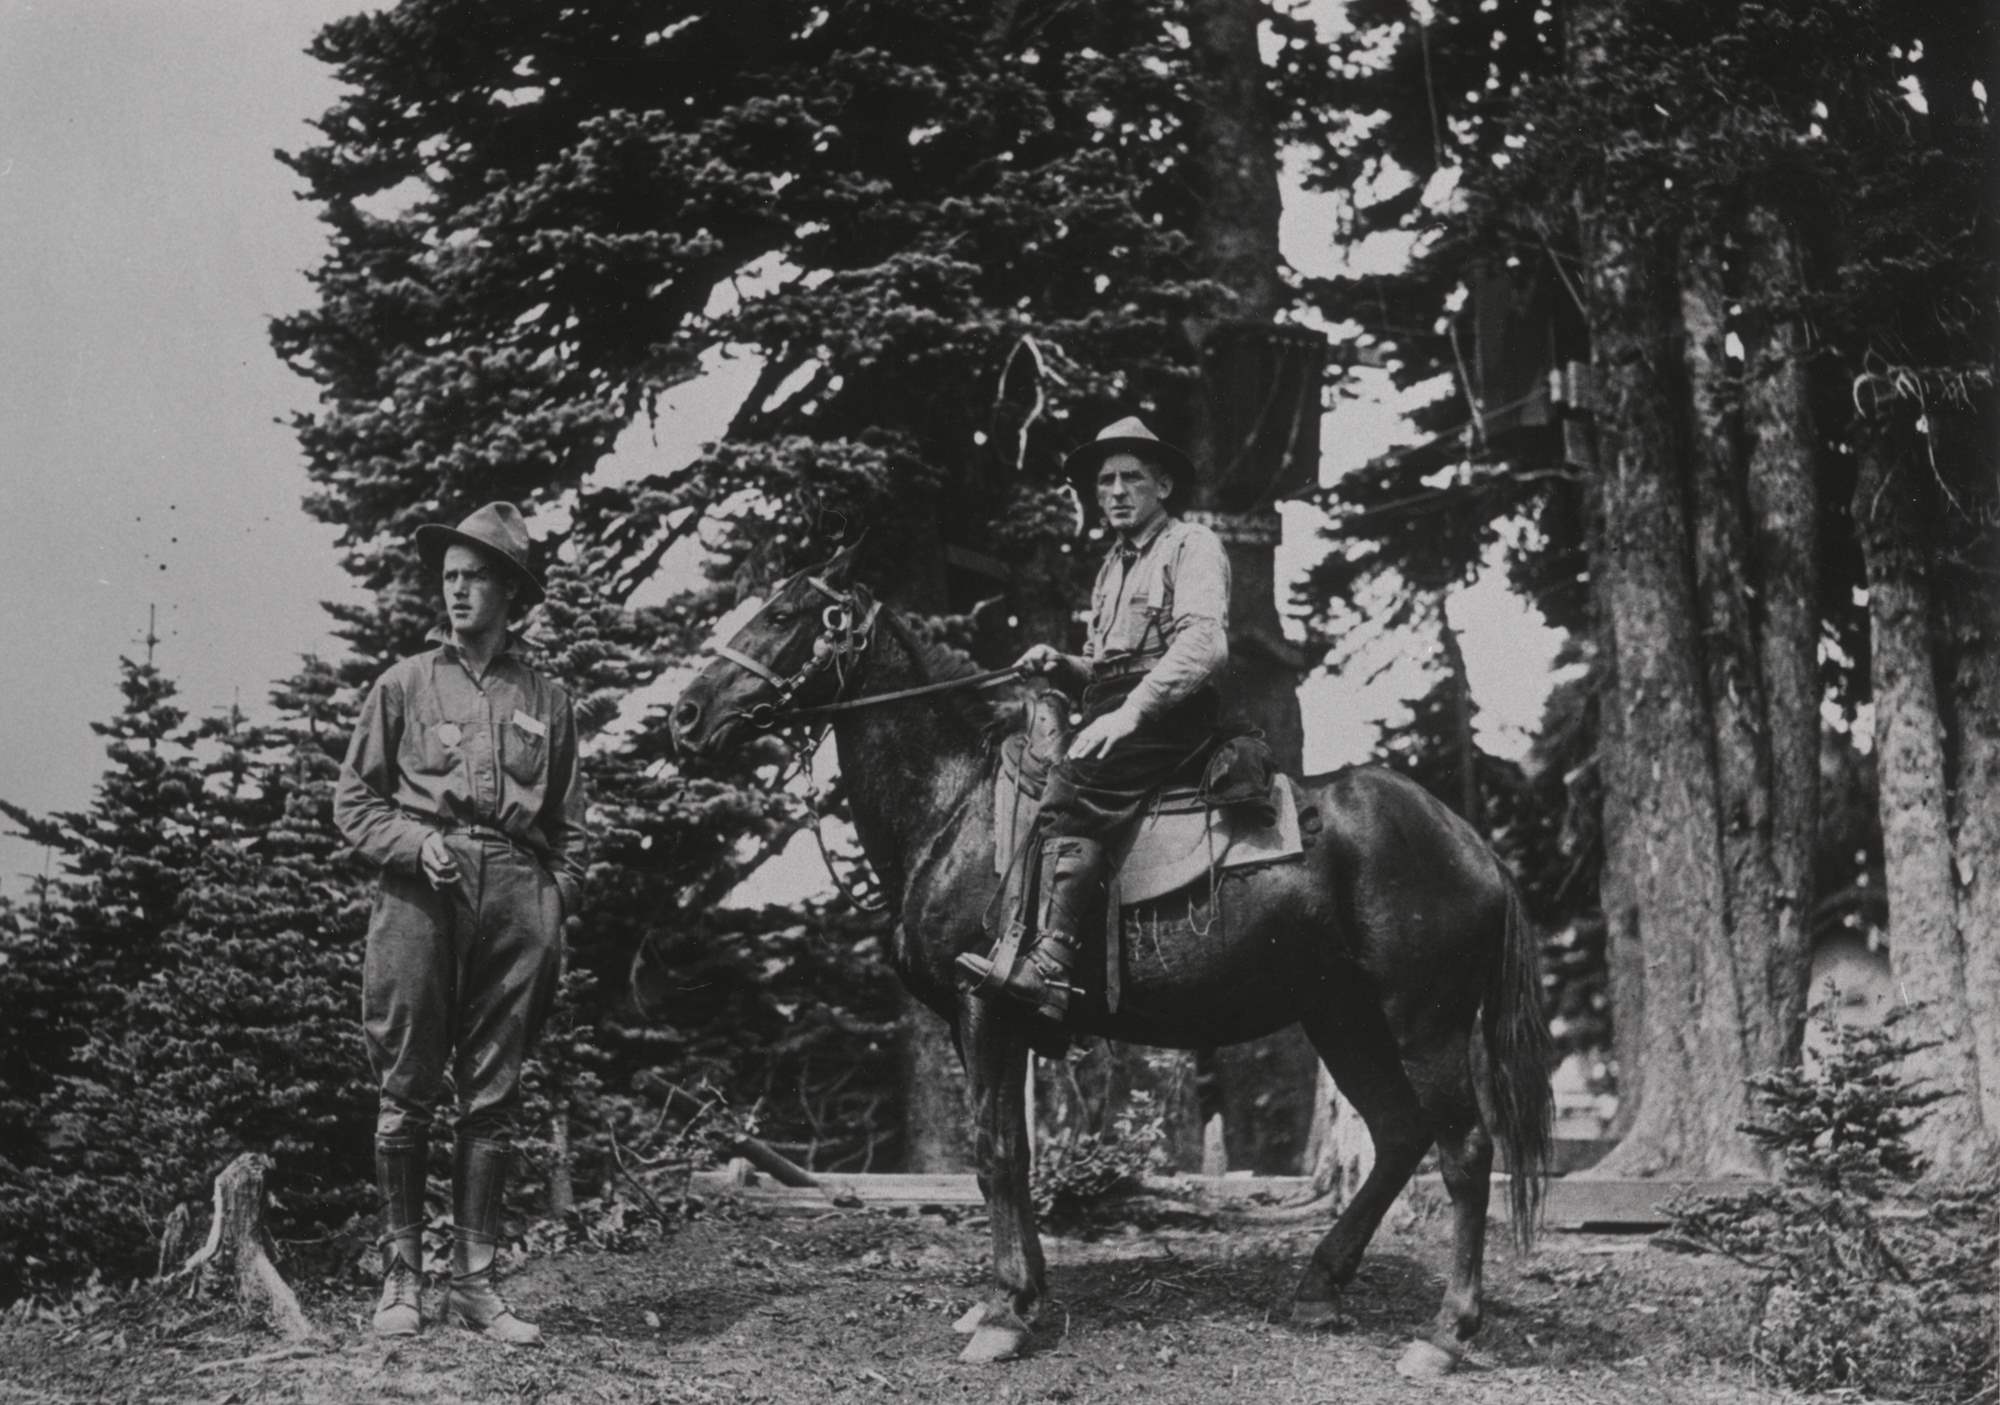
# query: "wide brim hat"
[1131,436]
[499,532]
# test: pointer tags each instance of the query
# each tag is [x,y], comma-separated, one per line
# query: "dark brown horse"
[1397,942]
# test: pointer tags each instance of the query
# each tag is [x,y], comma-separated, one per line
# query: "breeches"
[459,980]
[1095,798]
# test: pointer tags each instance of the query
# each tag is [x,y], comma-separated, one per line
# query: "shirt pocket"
[523,755]
[1129,627]
[426,748]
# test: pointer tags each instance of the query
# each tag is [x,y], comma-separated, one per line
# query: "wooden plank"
[1571,1203]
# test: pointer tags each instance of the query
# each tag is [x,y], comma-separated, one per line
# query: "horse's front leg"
[996,1064]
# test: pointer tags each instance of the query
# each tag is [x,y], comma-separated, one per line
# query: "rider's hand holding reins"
[1050,662]
[1040,658]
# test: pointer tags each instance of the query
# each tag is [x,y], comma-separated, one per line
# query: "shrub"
[1871,1285]
[1081,1171]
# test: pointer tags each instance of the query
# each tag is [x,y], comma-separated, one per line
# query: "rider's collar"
[1137,545]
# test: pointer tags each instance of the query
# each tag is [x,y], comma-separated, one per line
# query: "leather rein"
[849,621]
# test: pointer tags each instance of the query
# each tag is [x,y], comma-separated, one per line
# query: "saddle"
[1181,838]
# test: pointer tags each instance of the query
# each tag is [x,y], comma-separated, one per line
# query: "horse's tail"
[1519,1054]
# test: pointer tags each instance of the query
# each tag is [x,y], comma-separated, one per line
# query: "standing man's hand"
[1103,734]
[439,866]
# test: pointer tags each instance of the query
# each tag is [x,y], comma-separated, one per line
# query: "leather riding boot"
[479,1175]
[1073,872]
[400,1172]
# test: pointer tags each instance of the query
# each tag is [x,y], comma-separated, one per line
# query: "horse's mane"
[991,713]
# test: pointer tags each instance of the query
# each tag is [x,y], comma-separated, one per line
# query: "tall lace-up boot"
[1073,873]
[400,1172]
[479,1176]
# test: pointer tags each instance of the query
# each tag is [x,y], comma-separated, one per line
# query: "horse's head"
[796,651]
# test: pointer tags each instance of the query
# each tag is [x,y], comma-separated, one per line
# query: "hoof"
[1310,1313]
[1426,1361]
[974,1315]
[1000,1336]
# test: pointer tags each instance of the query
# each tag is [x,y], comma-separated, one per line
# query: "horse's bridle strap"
[744,661]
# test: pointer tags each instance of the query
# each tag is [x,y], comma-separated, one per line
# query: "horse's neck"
[905,765]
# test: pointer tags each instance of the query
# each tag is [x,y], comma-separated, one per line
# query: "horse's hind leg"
[996,1064]
[1354,1041]
[1445,1083]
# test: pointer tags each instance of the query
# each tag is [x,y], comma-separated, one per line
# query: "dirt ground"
[856,1305]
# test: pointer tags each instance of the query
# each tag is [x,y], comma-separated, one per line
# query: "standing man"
[1157,642]
[461,786]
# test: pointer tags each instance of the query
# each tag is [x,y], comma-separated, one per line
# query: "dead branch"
[760,1154]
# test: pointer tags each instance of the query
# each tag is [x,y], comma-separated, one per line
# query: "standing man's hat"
[498,531]
[1131,436]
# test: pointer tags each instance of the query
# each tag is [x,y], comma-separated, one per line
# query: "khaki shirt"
[1162,604]
[437,747]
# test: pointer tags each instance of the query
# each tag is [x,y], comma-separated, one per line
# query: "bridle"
[847,625]
[848,629]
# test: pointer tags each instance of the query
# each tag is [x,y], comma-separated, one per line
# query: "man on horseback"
[1157,642]
[462,788]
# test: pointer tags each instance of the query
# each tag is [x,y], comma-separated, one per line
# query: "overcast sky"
[146,238]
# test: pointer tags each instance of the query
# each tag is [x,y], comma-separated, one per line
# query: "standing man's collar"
[510,642]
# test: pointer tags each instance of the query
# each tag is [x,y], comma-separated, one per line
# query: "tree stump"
[237,1238]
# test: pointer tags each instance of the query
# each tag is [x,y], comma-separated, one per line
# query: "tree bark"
[1266,1090]
[1726,634]
[1959,448]
[1708,600]
[937,1120]
[1926,954]
[1624,960]
[1693,1040]
[1234,158]
[1783,499]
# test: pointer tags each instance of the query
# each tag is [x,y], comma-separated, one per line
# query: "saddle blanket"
[1172,845]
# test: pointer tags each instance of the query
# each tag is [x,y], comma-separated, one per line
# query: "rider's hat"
[1131,436]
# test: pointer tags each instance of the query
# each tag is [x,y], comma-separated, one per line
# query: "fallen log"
[1573,1203]
[238,1239]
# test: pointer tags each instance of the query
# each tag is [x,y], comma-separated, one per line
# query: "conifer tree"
[947,240]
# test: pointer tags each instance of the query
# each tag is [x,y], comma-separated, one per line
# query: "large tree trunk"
[1624,962]
[1976,786]
[1783,500]
[1265,1091]
[1708,603]
[1692,1043]
[1926,953]
[937,1121]
[937,1112]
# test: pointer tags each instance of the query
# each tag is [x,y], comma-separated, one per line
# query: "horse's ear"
[840,570]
